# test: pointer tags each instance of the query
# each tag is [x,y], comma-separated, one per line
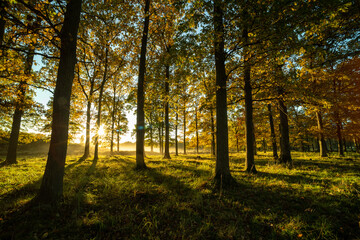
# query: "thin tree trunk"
[113,122]
[160,143]
[339,137]
[273,137]
[98,120]
[176,135]
[151,133]
[52,183]
[118,141]
[196,130]
[322,143]
[19,110]
[222,169]
[87,134]
[167,125]
[249,123]
[212,132]
[140,116]
[184,129]
[285,154]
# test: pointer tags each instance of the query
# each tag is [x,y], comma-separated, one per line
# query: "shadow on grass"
[165,205]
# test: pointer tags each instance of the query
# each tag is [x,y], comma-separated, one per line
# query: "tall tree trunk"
[249,123]
[196,130]
[222,169]
[285,153]
[322,143]
[87,134]
[176,135]
[184,129]
[52,183]
[272,130]
[113,122]
[167,125]
[98,120]
[140,116]
[159,130]
[19,110]
[151,134]
[212,132]
[339,137]
[118,140]
[162,137]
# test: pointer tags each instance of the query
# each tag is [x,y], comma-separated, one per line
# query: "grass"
[176,199]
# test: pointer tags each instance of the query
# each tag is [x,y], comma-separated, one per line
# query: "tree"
[52,183]
[222,169]
[140,116]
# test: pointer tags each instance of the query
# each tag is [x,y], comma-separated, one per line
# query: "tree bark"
[212,132]
[273,137]
[140,116]
[52,183]
[339,137]
[196,130]
[87,134]
[151,133]
[118,140]
[19,111]
[249,123]
[113,122]
[285,153]
[322,143]
[184,129]
[222,169]
[176,135]
[167,125]
[160,143]
[98,120]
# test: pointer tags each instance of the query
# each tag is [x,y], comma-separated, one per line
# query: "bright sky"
[43,97]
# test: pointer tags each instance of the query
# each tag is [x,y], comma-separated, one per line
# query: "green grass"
[176,199]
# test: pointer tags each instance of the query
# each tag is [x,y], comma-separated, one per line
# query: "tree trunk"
[212,132]
[273,137]
[249,124]
[184,129]
[176,135]
[162,137]
[98,120]
[222,169]
[285,153]
[118,141]
[88,119]
[113,122]
[322,143]
[151,133]
[52,183]
[167,125]
[140,116]
[339,137]
[19,110]
[196,130]
[159,129]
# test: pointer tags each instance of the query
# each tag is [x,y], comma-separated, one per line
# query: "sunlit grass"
[175,199]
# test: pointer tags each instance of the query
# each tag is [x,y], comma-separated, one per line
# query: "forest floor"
[176,199]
